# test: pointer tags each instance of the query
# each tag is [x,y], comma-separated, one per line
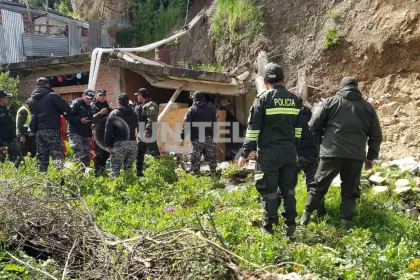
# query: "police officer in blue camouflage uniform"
[79,132]
[47,107]
[274,130]
[8,144]
[120,136]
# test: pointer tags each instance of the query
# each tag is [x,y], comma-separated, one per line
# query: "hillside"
[319,42]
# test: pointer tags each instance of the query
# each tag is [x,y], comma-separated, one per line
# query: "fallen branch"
[31,267]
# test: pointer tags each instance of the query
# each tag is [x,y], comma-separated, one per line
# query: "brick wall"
[106,80]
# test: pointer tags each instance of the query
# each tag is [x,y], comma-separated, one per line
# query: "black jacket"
[274,125]
[346,121]
[7,127]
[115,131]
[97,107]
[46,106]
[309,143]
[80,110]
[199,112]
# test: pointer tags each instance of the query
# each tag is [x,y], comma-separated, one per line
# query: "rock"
[377,180]
[417,181]
[389,108]
[406,164]
[402,190]
[252,164]
[395,176]
[389,122]
[402,183]
[412,213]
[416,189]
[224,165]
[410,109]
[380,190]
[233,188]
[365,176]
[365,183]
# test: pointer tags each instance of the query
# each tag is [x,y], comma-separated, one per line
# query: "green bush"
[10,85]
[331,37]
[236,19]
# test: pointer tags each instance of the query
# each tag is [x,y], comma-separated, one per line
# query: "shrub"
[331,37]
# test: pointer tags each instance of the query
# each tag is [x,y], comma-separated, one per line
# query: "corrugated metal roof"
[94,34]
[3,45]
[75,38]
[12,35]
[38,45]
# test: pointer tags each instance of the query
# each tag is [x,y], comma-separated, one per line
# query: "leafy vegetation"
[236,19]
[10,85]
[216,67]
[152,20]
[62,6]
[331,37]
[385,244]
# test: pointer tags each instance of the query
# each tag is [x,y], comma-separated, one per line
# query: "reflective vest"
[28,118]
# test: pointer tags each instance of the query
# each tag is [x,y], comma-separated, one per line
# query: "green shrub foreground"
[383,245]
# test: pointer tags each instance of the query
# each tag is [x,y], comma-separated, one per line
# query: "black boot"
[290,231]
[306,218]
[268,229]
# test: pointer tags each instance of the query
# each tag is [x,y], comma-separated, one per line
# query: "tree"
[10,85]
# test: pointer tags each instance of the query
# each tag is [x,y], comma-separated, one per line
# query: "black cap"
[4,94]
[89,93]
[198,95]
[143,92]
[349,82]
[273,73]
[123,98]
[42,81]
[101,92]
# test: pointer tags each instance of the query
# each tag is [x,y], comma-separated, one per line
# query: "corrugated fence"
[39,45]
[11,35]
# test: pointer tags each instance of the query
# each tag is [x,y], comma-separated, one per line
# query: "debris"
[252,164]
[412,213]
[417,181]
[402,183]
[337,181]
[243,76]
[402,190]
[377,180]
[224,165]
[380,190]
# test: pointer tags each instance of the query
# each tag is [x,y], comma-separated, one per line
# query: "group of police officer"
[38,122]
[342,126]
[287,137]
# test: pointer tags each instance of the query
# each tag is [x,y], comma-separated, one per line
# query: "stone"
[224,165]
[252,164]
[377,180]
[406,164]
[380,190]
[365,183]
[412,213]
[337,181]
[402,183]
[233,188]
[402,190]
[389,122]
[389,108]
[410,109]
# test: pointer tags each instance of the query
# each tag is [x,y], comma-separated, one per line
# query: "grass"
[383,245]
[216,67]
[236,19]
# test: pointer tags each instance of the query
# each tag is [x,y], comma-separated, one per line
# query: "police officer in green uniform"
[274,131]
[147,112]
[27,139]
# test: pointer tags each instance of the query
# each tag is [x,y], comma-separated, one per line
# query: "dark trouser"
[350,171]
[12,151]
[81,148]
[274,181]
[206,148]
[309,165]
[48,143]
[29,146]
[99,159]
[141,152]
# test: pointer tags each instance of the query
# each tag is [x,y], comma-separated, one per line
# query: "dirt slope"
[379,44]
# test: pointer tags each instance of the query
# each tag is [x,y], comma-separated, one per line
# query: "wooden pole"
[170,103]
[47,32]
[31,23]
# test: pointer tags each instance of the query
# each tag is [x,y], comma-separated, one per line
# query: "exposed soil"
[379,44]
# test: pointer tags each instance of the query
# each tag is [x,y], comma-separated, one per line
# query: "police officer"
[147,112]
[346,121]
[100,111]
[7,130]
[274,130]
[200,112]
[26,138]
[120,136]
[308,154]
[79,132]
[47,107]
